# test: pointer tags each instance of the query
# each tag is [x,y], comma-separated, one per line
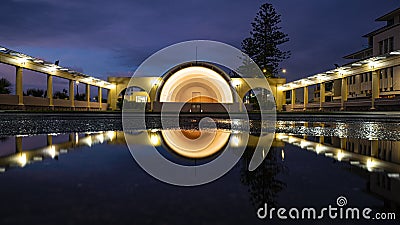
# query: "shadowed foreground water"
[84,175]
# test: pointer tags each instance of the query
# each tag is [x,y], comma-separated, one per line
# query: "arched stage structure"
[203,87]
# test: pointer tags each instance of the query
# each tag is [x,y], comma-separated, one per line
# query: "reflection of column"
[343,93]
[305,98]
[322,139]
[49,140]
[321,95]
[375,88]
[88,96]
[293,100]
[100,96]
[18,85]
[50,89]
[71,137]
[18,144]
[374,148]
[71,93]
[343,143]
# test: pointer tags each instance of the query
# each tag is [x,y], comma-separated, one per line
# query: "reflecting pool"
[86,175]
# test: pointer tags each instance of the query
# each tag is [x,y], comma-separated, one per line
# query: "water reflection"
[370,150]
[378,160]
[14,153]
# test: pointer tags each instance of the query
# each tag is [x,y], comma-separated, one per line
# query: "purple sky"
[102,37]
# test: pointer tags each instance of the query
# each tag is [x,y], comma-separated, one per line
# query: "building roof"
[355,54]
[380,30]
[389,15]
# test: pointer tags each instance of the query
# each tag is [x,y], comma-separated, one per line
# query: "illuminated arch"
[196,83]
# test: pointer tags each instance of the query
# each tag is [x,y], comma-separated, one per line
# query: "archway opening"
[135,96]
[258,98]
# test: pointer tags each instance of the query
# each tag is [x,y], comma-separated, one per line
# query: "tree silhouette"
[61,95]
[35,92]
[265,37]
[5,86]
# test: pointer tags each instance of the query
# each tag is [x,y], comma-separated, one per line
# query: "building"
[370,81]
[195,87]
[199,86]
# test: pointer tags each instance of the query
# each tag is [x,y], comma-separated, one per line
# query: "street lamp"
[284,71]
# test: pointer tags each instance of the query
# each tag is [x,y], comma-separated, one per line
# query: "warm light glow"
[22,159]
[395,52]
[110,135]
[370,165]
[283,154]
[155,139]
[340,155]
[372,64]
[52,151]
[283,70]
[320,148]
[88,141]
[100,138]
[236,82]
[181,85]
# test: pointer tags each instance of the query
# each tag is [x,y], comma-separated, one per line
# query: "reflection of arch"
[195,144]
[200,82]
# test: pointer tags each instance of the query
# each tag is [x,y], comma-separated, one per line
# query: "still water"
[75,170]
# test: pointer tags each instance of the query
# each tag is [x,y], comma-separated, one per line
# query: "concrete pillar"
[293,99]
[50,89]
[18,86]
[88,96]
[72,93]
[305,98]
[279,98]
[100,96]
[321,95]
[375,88]
[343,93]
[18,144]
[112,98]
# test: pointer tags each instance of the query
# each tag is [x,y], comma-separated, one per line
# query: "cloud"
[122,33]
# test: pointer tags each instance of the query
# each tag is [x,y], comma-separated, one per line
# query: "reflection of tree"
[263,183]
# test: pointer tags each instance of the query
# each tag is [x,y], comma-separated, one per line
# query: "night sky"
[104,37]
